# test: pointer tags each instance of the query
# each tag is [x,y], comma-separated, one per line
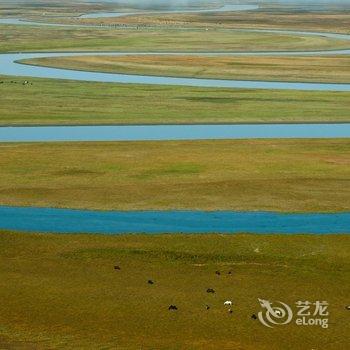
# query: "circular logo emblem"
[274,315]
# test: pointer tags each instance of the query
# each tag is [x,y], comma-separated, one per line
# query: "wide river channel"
[52,220]
[172,132]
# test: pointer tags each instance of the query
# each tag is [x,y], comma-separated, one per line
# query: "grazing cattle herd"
[25,82]
[227,303]
[209,290]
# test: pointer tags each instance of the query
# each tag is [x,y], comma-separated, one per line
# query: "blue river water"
[49,220]
[171,132]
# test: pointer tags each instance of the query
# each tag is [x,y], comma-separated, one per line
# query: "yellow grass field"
[63,292]
[282,175]
[304,69]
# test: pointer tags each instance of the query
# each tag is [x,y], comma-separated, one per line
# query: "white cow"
[228,303]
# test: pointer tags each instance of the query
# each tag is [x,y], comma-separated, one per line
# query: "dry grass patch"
[303,69]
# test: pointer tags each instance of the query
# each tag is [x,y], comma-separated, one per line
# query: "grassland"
[269,16]
[63,10]
[34,38]
[322,21]
[282,175]
[311,69]
[62,292]
[68,102]
[51,10]
[335,19]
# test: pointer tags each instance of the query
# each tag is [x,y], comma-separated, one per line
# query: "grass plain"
[62,291]
[70,102]
[287,19]
[34,38]
[277,175]
[270,15]
[304,69]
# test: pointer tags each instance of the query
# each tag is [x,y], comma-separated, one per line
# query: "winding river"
[115,222]
[225,8]
[10,65]
[15,64]
[10,62]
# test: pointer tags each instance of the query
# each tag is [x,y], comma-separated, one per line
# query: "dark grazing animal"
[254,317]
[150,282]
[210,290]
[116,267]
[217,273]
[172,307]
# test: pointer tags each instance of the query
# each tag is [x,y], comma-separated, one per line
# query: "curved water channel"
[225,8]
[10,65]
[115,222]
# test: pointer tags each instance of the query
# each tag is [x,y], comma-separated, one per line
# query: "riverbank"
[63,291]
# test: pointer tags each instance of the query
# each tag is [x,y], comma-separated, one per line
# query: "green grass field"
[34,38]
[62,291]
[304,69]
[282,175]
[68,102]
